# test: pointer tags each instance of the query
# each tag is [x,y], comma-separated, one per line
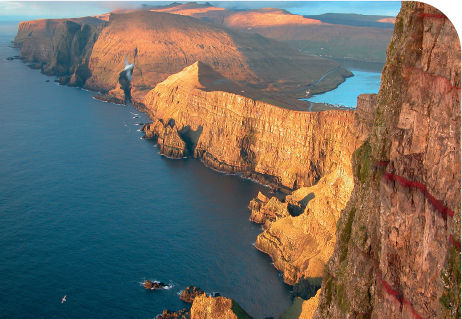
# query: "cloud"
[319,7]
[45,9]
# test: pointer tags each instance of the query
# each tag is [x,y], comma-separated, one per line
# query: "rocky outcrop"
[198,113]
[91,52]
[299,230]
[309,307]
[205,307]
[264,210]
[397,253]
[191,292]
[300,245]
[154,285]
[180,314]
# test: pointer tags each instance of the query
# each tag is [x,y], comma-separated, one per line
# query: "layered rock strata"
[397,253]
[301,243]
[299,230]
[198,113]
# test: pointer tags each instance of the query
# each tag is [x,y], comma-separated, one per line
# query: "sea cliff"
[373,195]
[198,113]
[60,47]
[397,253]
[299,230]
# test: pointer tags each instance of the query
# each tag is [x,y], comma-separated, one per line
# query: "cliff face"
[299,231]
[60,46]
[193,115]
[300,245]
[96,49]
[397,253]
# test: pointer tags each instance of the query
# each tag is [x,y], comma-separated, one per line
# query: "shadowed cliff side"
[398,242]
[238,134]
[60,46]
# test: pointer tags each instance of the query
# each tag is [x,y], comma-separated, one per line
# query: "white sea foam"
[94,98]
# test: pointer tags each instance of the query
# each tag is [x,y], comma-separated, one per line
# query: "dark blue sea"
[90,210]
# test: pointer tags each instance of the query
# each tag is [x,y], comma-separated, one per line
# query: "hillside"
[350,36]
[356,20]
[164,44]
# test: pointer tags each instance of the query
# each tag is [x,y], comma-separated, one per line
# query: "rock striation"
[301,243]
[271,144]
[397,253]
[299,230]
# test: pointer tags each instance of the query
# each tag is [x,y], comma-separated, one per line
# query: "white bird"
[64,299]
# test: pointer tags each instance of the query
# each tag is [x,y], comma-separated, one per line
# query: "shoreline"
[254,177]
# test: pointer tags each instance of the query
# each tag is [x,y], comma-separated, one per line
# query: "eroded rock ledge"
[198,113]
[299,230]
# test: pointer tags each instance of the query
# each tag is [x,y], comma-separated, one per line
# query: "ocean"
[90,210]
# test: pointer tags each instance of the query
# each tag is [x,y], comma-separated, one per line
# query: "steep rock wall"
[301,245]
[238,134]
[61,46]
[398,242]
[299,231]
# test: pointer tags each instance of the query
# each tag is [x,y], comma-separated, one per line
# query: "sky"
[12,10]
[22,10]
